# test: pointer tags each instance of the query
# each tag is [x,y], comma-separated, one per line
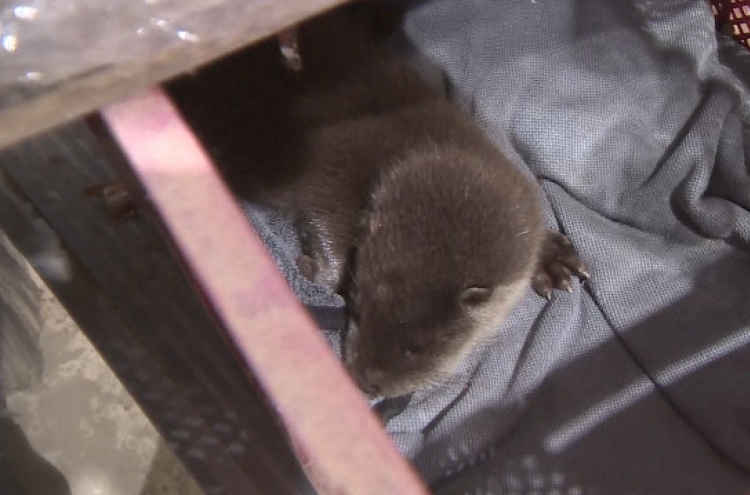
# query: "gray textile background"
[639,382]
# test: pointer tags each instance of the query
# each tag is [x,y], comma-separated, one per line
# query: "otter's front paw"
[557,264]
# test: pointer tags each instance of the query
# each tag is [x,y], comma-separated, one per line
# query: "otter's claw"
[558,263]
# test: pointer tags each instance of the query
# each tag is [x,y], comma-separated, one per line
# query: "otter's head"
[447,249]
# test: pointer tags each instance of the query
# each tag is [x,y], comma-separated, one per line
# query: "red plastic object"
[733,17]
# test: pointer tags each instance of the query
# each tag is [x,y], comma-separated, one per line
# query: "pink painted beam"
[337,438]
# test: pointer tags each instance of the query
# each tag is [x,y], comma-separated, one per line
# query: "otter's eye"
[474,296]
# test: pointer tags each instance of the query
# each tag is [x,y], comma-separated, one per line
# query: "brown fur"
[391,184]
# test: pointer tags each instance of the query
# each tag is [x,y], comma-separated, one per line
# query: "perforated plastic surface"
[733,16]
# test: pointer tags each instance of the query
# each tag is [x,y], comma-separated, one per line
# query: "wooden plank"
[20,323]
[28,113]
[123,287]
[330,423]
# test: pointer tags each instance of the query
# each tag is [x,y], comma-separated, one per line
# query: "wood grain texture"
[25,113]
[122,285]
[20,324]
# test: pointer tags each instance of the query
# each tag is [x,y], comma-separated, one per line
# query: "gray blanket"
[637,120]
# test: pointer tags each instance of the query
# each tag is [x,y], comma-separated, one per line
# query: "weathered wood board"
[26,111]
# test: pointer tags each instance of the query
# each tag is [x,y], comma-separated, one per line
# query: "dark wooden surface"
[129,295]
[25,112]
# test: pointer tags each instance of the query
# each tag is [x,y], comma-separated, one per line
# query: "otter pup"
[405,207]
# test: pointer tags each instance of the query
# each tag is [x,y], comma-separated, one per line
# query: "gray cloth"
[637,121]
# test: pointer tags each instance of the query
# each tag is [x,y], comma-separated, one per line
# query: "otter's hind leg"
[558,262]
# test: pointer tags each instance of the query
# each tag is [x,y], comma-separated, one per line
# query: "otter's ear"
[474,296]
